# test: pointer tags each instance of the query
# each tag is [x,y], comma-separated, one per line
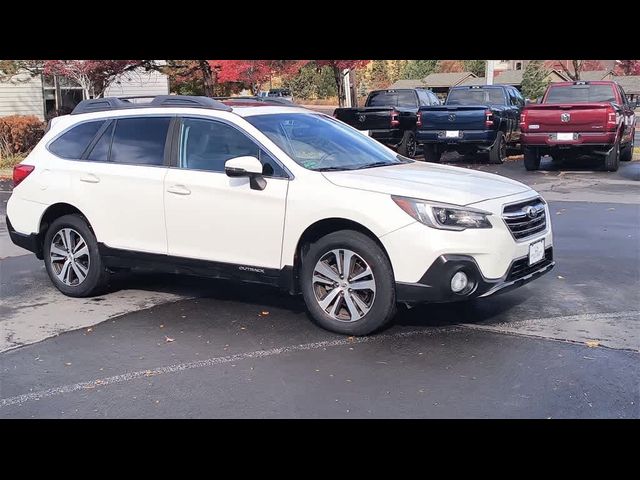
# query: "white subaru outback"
[258,192]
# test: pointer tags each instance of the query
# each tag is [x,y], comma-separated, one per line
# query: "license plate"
[452,133]
[364,132]
[564,136]
[536,252]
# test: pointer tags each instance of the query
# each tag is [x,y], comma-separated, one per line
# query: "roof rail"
[249,98]
[159,101]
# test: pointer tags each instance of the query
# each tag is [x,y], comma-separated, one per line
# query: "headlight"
[442,215]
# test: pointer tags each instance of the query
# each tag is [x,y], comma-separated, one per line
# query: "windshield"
[406,99]
[476,96]
[321,143]
[580,94]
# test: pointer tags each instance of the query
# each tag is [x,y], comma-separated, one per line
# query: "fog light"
[459,282]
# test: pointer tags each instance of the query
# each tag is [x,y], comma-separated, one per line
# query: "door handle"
[179,190]
[89,178]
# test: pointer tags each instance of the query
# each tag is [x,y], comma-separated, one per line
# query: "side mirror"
[246,166]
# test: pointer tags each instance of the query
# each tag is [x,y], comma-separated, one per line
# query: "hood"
[428,181]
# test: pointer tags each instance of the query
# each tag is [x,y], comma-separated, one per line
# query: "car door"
[629,119]
[515,104]
[213,217]
[118,184]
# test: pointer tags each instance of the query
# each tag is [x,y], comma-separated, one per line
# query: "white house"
[24,94]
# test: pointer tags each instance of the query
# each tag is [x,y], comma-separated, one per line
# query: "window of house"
[207,145]
[140,141]
[73,143]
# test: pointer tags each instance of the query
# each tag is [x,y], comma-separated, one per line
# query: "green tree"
[475,66]
[418,69]
[534,79]
[312,83]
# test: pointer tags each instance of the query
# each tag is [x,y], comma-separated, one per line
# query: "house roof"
[407,83]
[630,83]
[509,77]
[592,75]
[450,79]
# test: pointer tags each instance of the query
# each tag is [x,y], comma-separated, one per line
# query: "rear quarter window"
[72,144]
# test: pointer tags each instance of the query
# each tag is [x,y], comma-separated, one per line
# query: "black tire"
[383,307]
[626,152]
[408,145]
[498,151]
[432,154]
[531,159]
[612,159]
[97,276]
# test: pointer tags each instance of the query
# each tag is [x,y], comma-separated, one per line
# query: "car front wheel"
[72,258]
[347,283]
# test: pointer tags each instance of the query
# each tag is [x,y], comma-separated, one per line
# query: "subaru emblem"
[531,212]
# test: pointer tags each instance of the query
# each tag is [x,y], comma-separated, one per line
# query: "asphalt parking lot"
[564,346]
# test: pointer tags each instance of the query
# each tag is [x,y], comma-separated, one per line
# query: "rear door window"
[72,144]
[140,141]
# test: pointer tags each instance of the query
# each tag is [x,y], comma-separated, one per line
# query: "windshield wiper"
[331,169]
[373,165]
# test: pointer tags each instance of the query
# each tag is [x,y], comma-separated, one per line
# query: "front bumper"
[434,286]
[465,137]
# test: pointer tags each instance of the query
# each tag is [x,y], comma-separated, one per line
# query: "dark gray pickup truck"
[390,116]
[473,118]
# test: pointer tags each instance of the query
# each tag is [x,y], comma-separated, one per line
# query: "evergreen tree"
[475,66]
[418,69]
[534,79]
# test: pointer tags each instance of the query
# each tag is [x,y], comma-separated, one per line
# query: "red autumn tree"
[338,66]
[92,75]
[573,68]
[627,67]
[254,73]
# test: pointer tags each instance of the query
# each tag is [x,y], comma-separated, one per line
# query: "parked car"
[277,93]
[269,194]
[579,118]
[390,116]
[473,118]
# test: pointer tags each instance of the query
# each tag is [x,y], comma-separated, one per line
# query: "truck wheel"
[347,283]
[626,153]
[498,151]
[72,259]
[531,159]
[612,159]
[431,153]
[408,145]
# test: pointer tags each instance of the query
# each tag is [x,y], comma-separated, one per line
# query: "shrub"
[19,134]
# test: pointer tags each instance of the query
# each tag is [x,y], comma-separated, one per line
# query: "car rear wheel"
[612,159]
[498,151]
[72,258]
[531,159]
[626,153]
[432,154]
[347,283]
[408,145]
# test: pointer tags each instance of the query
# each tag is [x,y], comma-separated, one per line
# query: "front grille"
[521,268]
[525,219]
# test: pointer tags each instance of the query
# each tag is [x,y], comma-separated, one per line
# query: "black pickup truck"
[390,116]
[473,118]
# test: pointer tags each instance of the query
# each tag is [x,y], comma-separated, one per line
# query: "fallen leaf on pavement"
[68,364]
[264,313]
[560,277]
[89,330]
[168,339]
[592,343]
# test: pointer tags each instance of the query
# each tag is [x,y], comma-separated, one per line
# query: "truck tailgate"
[365,118]
[453,117]
[583,117]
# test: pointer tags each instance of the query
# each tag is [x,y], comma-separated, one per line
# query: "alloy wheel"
[344,285]
[69,257]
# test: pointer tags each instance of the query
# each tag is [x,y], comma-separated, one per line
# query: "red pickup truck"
[579,118]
